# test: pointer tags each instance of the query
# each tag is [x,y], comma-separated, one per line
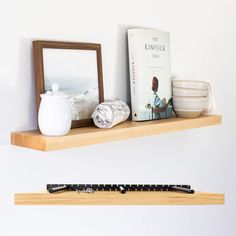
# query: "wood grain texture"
[116,198]
[93,135]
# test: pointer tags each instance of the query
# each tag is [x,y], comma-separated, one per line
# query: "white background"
[203,42]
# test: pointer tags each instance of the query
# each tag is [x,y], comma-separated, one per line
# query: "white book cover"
[150,76]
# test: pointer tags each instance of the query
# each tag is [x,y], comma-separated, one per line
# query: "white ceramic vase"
[54,116]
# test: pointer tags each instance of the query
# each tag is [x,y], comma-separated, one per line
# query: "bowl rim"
[197,110]
[192,81]
[189,97]
[190,89]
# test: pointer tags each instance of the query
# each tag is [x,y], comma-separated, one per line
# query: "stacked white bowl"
[190,97]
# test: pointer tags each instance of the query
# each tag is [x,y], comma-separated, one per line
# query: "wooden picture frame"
[39,48]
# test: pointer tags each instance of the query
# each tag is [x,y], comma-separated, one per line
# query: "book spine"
[133,74]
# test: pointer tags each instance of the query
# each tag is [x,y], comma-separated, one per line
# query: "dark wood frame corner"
[38,47]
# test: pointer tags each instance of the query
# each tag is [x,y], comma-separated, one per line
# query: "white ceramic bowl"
[186,92]
[189,103]
[188,113]
[191,84]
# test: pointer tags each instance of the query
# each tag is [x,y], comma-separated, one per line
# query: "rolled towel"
[110,113]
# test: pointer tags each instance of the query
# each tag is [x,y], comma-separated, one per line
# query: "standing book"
[150,77]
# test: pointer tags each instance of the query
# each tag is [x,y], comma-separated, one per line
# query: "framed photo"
[77,69]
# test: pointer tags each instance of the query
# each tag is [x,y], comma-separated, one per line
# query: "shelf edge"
[123,131]
[108,198]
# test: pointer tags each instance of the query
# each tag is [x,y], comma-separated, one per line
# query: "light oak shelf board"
[116,198]
[93,135]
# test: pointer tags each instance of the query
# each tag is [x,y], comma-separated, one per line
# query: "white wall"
[203,41]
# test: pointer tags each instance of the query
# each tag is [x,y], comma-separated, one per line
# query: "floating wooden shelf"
[116,198]
[93,135]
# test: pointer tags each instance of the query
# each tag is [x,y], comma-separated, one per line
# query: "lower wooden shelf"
[116,198]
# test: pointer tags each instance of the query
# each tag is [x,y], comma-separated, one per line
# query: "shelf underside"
[93,135]
[116,198]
